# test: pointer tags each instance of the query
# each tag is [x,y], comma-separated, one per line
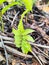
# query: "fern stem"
[20,22]
[8,6]
[2,27]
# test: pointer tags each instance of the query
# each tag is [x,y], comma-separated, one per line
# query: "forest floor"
[38,20]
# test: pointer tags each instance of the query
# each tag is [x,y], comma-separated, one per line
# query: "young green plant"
[21,35]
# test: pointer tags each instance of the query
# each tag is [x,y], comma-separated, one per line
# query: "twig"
[38,15]
[15,51]
[9,42]
[15,18]
[42,52]
[2,58]
[39,45]
[37,58]
[4,51]
[6,38]
[44,35]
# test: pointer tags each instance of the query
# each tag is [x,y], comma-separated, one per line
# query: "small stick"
[4,51]
[15,51]
[37,58]
[6,38]
[15,18]
[39,45]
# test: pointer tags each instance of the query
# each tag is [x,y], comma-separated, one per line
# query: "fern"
[21,35]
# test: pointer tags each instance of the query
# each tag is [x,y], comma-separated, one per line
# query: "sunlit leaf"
[29,38]
[17,41]
[14,31]
[28,4]
[26,47]
[1,1]
[27,31]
